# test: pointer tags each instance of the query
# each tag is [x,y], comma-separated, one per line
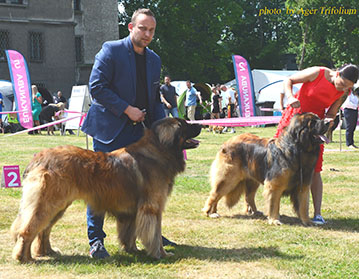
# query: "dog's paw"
[167,255]
[307,223]
[51,251]
[258,213]
[274,222]
[131,250]
[214,215]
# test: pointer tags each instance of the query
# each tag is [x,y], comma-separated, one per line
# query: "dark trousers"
[351,118]
[95,221]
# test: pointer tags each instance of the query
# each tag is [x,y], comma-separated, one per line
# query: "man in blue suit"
[124,85]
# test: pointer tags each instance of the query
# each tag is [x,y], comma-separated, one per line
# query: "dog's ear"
[308,130]
[168,131]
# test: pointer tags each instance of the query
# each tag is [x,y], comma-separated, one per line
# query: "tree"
[190,36]
[196,38]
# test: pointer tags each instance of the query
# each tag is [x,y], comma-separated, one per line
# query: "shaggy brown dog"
[131,183]
[284,165]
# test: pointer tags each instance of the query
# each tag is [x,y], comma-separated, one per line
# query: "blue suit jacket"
[113,88]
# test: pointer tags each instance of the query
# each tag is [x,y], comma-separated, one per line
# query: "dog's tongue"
[324,139]
[193,141]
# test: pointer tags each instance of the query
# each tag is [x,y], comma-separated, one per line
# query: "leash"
[300,170]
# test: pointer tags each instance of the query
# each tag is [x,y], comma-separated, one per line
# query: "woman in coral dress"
[323,91]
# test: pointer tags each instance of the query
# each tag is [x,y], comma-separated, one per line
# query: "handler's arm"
[303,76]
[334,108]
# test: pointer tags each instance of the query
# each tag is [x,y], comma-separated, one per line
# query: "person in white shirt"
[228,96]
[350,106]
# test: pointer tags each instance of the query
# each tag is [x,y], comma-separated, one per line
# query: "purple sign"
[21,85]
[244,80]
[11,175]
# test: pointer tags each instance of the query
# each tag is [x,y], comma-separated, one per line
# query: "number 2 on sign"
[11,177]
[13,182]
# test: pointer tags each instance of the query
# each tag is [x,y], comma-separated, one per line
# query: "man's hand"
[135,114]
[168,105]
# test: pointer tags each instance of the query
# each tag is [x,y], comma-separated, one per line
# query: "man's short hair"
[141,11]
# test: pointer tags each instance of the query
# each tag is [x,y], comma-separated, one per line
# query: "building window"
[40,84]
[14,2]
[4,43]
[77,5]
[79,48]
[36,47]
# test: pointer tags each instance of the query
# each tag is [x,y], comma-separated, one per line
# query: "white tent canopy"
[268,84]
[7,93]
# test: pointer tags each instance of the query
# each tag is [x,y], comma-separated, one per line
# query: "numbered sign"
[11,177]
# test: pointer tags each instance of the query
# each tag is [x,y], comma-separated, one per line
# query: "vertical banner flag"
[245,89]
[21,85]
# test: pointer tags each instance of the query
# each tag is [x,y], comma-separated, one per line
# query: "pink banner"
[240,121]
[21,86]
[243,74]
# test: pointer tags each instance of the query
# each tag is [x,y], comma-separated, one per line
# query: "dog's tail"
[148,228]
[232,198]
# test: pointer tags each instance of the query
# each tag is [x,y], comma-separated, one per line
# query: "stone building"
[59,39]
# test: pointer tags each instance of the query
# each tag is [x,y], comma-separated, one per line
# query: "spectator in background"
[60,98]
[36,107]
[228,95]
[191,100]
[169,97]
[1,105]
[350,106]
[216,100]
[236,104]
[48,114]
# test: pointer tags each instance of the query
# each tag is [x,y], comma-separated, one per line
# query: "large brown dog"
[284,165]
[131,183]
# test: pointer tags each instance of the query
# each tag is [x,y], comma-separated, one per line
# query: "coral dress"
[315,96]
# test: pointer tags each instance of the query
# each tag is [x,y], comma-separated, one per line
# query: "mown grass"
[234,246]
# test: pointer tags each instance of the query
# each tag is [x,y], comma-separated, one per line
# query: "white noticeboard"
[79,102]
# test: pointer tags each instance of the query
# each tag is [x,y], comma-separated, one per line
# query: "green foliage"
[196,38]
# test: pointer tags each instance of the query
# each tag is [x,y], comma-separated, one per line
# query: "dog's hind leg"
[250,193]
[29,229]
[210,207]
[228,187]
[37,210]
[22,249]
[42,246]
[126,228]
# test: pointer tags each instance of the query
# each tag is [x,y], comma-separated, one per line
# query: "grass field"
[234,246]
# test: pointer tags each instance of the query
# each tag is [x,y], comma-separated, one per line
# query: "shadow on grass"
[342,224]
[339,224]
[286,220]
[180,252]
